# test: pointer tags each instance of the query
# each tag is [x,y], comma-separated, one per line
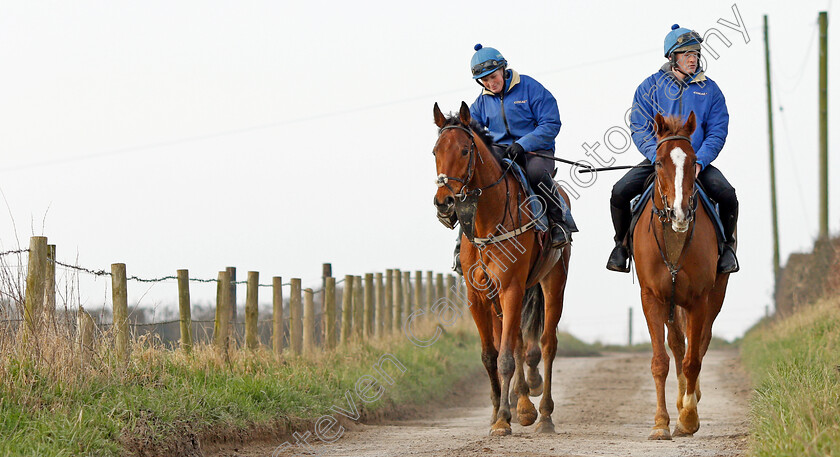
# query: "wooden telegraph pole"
[823,93]
[773,208]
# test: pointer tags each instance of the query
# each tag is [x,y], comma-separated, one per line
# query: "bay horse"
[502,257]
[676,262]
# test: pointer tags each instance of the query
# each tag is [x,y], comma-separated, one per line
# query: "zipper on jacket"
[504,118]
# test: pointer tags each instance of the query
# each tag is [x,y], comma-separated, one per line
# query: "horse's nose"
[446,206]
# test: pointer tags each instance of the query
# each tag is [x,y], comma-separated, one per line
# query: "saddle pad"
[542,222]
[639,201]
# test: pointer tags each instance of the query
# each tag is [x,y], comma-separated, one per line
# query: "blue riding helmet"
[680,39]
[486,61]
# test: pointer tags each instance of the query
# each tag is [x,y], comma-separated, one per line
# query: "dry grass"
[795,365]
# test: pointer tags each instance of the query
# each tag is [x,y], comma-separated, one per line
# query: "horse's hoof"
[500,428]
[527,418]
[546,427]
[659,434]
[679,431]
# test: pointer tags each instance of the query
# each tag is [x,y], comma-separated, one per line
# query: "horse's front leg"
[511,301]
[696,327]
[526,413]
[656,315]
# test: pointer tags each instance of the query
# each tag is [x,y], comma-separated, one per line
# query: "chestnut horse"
[502,257]
[676,261]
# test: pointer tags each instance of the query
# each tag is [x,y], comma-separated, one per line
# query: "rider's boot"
[619,257]
[728,263]
[561,231]
[456,264]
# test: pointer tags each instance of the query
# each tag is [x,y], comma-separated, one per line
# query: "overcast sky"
[275,136]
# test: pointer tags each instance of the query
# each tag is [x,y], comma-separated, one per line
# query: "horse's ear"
[659,123]
[690,124]
[440,120]
[464,114]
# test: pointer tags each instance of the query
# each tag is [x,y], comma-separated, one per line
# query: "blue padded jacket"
[664,93]
[524,112]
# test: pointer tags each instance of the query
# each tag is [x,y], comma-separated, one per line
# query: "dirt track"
[603,406]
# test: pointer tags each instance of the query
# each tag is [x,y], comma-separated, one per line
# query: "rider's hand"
[697,169]
[513,150]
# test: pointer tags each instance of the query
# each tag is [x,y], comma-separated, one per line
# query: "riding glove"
[513,150]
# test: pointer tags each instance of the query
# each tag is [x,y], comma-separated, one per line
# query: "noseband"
[667,213]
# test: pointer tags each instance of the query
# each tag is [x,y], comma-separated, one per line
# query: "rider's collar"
[511,79]
[698,77]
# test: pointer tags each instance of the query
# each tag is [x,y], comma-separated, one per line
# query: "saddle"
[638,203]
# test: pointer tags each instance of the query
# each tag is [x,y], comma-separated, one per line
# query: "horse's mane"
[673,126]
[479,130]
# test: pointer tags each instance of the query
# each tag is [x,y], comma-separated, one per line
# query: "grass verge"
[795,368]
[166,402]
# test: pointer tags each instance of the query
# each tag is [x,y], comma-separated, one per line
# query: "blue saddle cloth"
[638,203]
[542,222]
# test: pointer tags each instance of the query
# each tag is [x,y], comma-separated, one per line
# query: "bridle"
[443,180]
[667,213]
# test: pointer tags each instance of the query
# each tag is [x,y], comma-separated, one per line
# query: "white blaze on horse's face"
[679,223]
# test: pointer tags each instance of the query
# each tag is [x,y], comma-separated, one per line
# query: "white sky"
[274,136]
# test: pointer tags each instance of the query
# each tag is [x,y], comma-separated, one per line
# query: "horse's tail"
[533,313]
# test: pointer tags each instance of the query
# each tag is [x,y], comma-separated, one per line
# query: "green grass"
[52,410]
[795,368]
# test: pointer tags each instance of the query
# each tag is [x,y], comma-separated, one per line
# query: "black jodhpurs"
[535,167]
[713,181]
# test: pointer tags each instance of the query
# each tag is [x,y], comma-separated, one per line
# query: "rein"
[588,169]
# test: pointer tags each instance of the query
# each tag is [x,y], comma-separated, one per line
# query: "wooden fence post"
[49,288]
[252,311]
[347,309]
[441,290]
[119,289]
[295,324]
[277,316]
[358,308]
[450,288]
[84,339]
[329,314]
[430,292]
[379,297]
[409,307]
[184,310]
[418,290]
[388,317]
[232,272]
[221,327]
[398,301]
[308,323]
[369,305]
[33,307]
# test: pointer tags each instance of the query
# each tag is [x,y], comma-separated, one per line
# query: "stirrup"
[567,237]
[731,269]
[613,262]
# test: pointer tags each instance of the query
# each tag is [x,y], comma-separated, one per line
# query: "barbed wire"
[19,251]
[165,278]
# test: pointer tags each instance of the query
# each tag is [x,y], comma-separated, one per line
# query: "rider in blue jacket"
[678,88]
[521,116]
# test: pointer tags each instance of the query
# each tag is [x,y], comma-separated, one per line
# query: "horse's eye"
[464,151]
[657,164]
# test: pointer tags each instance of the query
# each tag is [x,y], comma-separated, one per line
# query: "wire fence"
[365,306]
